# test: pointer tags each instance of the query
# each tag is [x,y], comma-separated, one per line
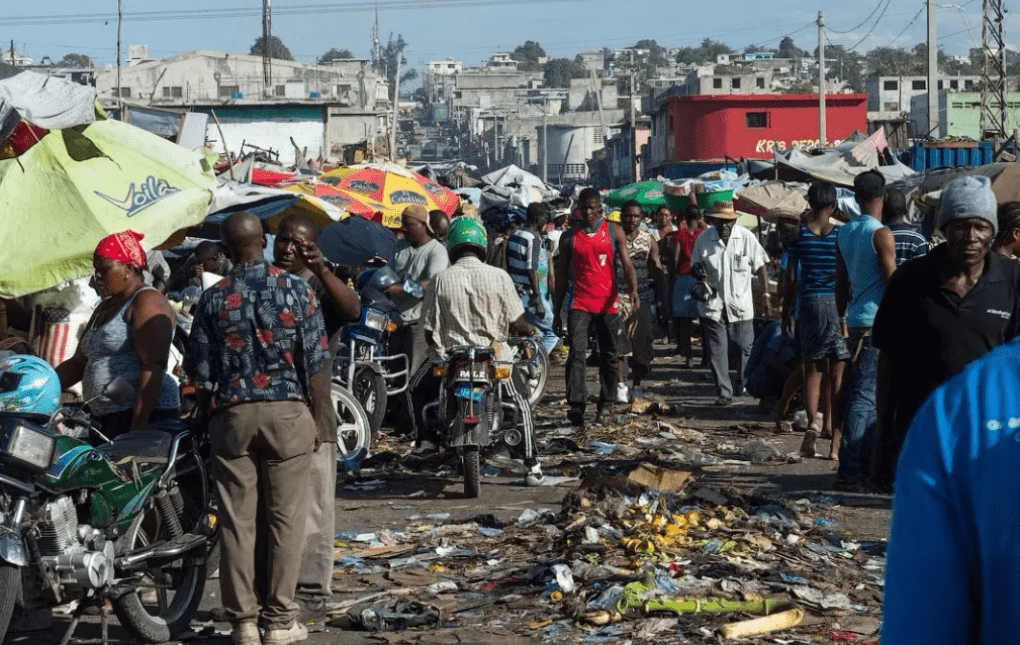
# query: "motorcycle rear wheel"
[538,377]
[10,582]
[353,429]
[166,617]
[369,388]
[472,472]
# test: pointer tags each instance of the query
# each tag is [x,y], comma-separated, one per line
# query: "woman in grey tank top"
[129,335]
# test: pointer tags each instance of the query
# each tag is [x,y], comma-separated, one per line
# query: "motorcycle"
[365,363]
[97,524]
[472,412]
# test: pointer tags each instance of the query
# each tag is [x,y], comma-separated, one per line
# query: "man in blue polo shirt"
[953,575]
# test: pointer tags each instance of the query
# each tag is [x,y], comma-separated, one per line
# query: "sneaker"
[723,402]
[534,476]
[424,449]
[603,418]
[247,633]
[296,632]
[621,393]
[636,392]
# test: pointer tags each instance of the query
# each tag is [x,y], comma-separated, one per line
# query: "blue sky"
[435,29]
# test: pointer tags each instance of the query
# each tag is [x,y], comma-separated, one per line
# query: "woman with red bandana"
[129,335]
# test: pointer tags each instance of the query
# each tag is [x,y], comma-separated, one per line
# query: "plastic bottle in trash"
[413,289]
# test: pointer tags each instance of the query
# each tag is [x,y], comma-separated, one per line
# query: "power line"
[297,10]
[909,25]
[877,20]
[863,22]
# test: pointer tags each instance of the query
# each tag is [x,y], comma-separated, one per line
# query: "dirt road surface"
[491,559]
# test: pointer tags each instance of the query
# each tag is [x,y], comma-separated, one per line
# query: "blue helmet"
[28,384]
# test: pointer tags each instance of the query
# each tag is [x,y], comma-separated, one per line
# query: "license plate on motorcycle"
[465,391]
[476,372]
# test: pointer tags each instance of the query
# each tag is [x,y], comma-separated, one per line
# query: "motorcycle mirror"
[119,390]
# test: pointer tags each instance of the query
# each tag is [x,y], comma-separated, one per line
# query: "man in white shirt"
[731,255]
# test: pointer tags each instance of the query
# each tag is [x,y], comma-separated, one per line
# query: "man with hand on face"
[295,250]
[940,312]
[730,254]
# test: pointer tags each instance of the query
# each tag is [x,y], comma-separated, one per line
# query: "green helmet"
[466,231]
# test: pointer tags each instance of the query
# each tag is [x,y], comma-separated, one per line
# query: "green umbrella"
[77,185]
[647,193]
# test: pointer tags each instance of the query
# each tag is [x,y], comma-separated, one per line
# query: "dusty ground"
[425,533]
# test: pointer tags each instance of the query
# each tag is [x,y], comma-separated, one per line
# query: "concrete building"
[10,56]
[959,114]
[895,93]
[320,109]
[594,61]
[692,134]
[207,76]
[440,80]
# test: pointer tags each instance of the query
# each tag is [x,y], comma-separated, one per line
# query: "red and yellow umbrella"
[353,203]
[396,188]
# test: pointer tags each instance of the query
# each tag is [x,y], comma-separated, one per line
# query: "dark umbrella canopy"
[356,240]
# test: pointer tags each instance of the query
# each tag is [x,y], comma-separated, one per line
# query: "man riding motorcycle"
[471,303]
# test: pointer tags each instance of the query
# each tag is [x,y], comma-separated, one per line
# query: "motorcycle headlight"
[27,446]
[375,319]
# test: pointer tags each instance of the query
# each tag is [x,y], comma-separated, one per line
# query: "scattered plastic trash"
[602,448]
[564,578]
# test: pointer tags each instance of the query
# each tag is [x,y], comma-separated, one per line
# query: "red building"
[704,129]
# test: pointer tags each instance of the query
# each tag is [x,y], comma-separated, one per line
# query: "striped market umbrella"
[396,188]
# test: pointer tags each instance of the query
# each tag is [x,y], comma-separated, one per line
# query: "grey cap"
[966,198]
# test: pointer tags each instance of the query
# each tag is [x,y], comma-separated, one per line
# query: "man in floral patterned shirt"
[257,355]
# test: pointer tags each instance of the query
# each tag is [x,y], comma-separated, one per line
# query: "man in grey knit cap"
[940,312]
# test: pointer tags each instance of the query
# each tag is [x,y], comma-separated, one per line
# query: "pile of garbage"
[638,550]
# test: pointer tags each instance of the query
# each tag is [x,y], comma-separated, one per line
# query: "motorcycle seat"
[143,446]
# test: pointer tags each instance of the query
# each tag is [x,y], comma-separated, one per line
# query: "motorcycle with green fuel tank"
[90,524]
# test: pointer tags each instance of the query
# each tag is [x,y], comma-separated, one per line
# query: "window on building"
[759,83]
[940,85]
[172,92]
[735,83]
[717,83]
[280,90]
[968,85]
[757,119]
[227,90]
[890,85]
[918,85]
[123,92]
[457,94]
[954,85]
[891,106]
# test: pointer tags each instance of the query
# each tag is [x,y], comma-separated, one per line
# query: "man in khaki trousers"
[257,355]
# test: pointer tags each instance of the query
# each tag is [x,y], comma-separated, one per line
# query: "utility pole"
[993,71]
[267,52]
[545,137]
[821,82]
[933,72]
[120,90]
[633,123]
[396,108]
